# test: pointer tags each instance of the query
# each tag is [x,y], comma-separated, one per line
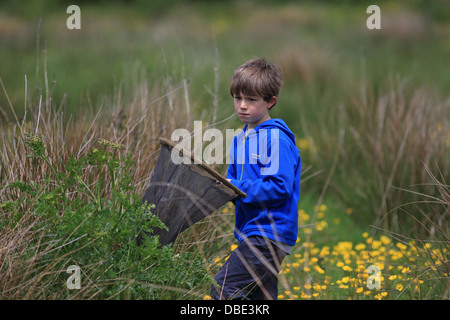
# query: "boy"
[265,164]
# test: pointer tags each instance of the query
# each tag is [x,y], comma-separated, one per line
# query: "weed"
[93,231]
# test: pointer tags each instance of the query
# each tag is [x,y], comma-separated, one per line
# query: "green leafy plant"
[91,216]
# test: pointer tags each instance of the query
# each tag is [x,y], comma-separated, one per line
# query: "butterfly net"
[184,193]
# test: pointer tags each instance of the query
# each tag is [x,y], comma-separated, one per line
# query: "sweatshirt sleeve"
[274,188]
[231,173]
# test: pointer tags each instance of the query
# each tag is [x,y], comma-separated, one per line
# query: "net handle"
[202,164]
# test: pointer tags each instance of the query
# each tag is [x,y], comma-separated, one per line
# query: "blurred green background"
[329,57]
[323,45]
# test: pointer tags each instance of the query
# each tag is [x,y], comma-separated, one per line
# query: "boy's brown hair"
[257,77]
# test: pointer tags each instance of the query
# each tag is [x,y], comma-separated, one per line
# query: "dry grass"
[393,136]
[135,119]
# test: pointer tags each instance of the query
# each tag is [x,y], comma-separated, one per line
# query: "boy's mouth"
[242,114]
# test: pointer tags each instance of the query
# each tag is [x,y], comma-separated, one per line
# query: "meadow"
[82,112]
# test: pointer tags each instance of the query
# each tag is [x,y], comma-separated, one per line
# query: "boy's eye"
[252,99]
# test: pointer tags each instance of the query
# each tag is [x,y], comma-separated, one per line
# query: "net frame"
[178,203]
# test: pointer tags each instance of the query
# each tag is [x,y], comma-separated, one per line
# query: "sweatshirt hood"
[275,124]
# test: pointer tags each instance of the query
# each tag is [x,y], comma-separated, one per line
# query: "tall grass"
[392,134]
[70,189]
[371,137]
[429,215]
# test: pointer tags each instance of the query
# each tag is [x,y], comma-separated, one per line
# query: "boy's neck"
[253,125]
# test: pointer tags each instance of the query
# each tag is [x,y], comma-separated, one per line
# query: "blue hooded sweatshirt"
[265,164]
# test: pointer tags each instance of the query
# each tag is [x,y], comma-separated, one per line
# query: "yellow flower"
[347,268]
[303,215]
[296,288]
[359,290]
[206,297]
[385,240]
[233,246]
[280,296]
[393,277]
[381,295]
[305,296]
[325,251]
[321,225]
[399,287]
[376,244]
[319,269]
[406,270]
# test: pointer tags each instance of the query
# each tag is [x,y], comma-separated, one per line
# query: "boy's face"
[252,110]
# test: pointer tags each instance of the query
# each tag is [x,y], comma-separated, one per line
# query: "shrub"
[70,197]
[82,227]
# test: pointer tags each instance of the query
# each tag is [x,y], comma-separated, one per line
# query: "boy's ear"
[272,102]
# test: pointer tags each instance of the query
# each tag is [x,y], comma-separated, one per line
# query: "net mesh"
[184,194]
